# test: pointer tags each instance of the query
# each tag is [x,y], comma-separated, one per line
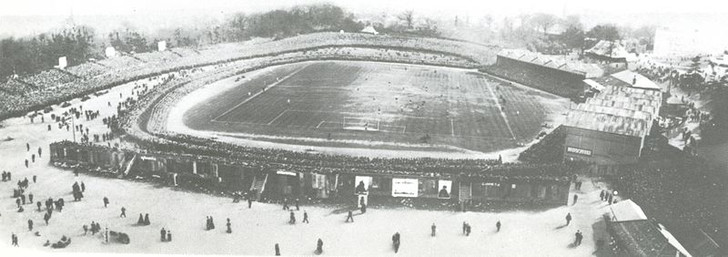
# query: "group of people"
[165,235]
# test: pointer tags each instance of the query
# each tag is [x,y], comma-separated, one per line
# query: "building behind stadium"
[610,129]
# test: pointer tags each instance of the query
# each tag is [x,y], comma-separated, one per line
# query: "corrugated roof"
[556,62]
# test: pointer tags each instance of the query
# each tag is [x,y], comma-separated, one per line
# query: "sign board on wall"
[362,185]
[580,151]
[161,46]
[62,62]
[444,189]
[404,187]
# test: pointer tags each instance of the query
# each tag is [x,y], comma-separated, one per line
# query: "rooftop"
[619,107]
[554,62]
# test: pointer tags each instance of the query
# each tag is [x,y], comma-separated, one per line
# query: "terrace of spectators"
[123,69]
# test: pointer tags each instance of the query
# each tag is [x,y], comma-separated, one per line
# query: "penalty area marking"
[320,123]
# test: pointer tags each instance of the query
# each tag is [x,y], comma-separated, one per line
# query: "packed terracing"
[22,94]
[146,126]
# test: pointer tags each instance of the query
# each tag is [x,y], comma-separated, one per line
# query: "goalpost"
[360,123]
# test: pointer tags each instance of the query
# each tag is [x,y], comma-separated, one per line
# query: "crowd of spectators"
[680,190]
[550,149]
[101,74]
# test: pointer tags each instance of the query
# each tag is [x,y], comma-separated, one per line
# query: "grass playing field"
[366,101]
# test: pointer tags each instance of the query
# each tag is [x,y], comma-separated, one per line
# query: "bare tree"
[408,18]
[544,21]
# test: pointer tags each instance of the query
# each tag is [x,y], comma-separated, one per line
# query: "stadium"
[430,128]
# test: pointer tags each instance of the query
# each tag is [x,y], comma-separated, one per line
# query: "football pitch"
[377,102]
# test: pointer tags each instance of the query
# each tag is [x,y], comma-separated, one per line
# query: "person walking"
[146,219]
[349,217]
[601,195]
[250,202]
[38,204]
[292,219]
[163,234]
[106,202]
[297,205]
[30,225]
[14,239]
[169,235]
[285,204]
[576,197]
[229,227]
[123,212]
[434,230]
[568,219]
[278,250]
[497,226]
[30,198]
[305,217]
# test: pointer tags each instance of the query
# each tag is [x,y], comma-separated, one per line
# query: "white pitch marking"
[320,123]
[452,128]
[279,115]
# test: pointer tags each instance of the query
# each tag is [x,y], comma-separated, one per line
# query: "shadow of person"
[560,227]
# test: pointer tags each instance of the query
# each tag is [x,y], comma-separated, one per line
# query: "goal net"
[360,123]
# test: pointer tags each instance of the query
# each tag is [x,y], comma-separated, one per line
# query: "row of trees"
[550,34]
[78,44]
[28,55]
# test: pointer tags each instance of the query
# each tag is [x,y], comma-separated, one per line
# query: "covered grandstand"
[553,74]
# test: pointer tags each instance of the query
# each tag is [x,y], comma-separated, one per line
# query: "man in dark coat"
[568,219]
[278,250]
[30,225]
[292,219]
[305,217]
[396,242]
[434,229]
[497,226]
[123,212]
[146,219]
[229,226]
[319,246]
[106,202]
[350,216]
[163,235]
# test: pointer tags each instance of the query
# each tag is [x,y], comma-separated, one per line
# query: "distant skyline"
[30,17]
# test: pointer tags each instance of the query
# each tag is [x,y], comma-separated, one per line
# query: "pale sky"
[15,15]
[122,7]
